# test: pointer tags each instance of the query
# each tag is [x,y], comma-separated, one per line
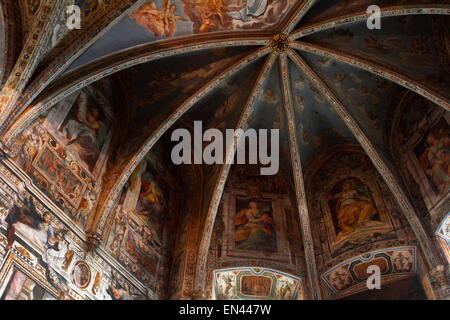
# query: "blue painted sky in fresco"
[369,98]
[126,34]
[404,43]
[318,126]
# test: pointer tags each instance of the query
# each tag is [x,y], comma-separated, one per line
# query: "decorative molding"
[279,43]
[376,68]
[219,185]
[90,73]
[298,15]
[155,136]
[383,168]
[300,193]
[390,11]
[29,58]
[74,50]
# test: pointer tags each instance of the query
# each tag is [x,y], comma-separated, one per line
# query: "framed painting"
[429,155]
[249,283]
[354,210]
[83,124]
[257,226]
[22,281]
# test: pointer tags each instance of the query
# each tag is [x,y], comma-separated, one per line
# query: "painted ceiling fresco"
[410,44]
[85,164]
[324,10]
[369,98]
[318,125]
[170,82]
[167,19]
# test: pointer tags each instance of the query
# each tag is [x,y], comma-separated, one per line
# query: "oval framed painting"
[81,275]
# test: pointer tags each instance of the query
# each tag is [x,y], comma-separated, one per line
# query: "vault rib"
[388,176]
[113,194]
[381,70]
[12,33]
[300,193]
[29,58]
[69,55]
[390,11]
[88,74]
[298,15]
[200,272]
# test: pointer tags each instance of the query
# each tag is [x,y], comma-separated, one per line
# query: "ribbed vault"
[311,66]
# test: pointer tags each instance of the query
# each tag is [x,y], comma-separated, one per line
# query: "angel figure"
[160,22]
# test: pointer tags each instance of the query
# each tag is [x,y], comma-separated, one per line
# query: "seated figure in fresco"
[254,229]
[86,132]
[435,159]
[353,209]
[151,198]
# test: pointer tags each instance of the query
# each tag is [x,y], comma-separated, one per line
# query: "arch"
[92,72]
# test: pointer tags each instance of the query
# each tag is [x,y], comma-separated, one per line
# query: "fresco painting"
[159,20]
[137,234]
[421,135]
[85,128]
[22,287]
[318,125]
[255,284]
[368,98]
[254,226]
[433,153]
[161,17]
[66,152]
[350,276]
[92,206]
[56,173]
[44,261]
[352,207]
[350,202]
[410,44]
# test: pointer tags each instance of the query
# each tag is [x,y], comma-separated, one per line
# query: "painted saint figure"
[353,209]
[151,198]
[435,159]
[86,132]
[254,229]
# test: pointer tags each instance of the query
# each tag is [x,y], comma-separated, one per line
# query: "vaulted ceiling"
[328,80]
